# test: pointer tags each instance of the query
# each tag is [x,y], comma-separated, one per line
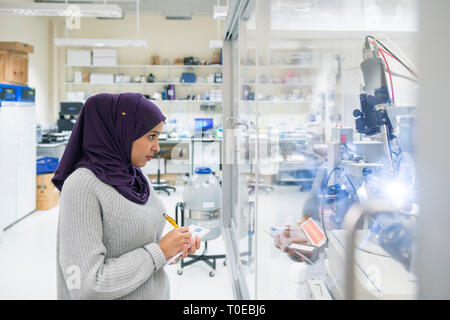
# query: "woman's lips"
[149,158]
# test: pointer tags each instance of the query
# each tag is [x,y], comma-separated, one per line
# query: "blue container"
[46,165]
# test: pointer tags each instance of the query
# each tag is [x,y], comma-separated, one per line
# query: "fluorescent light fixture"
[83,42]
[215,44]
[178,16]
[60,9]
[220,12]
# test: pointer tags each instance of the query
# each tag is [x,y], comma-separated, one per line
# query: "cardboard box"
[112,53]
[47,196]
[13,67]
[102,78]
[14,62]
[85,76]
[78,58]
[16,46]
[104,61]
[154,60]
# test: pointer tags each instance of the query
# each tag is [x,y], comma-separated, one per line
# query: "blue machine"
[188,77]
[203,124]
[16,93]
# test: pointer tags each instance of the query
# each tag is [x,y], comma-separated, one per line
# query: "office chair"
[161,184]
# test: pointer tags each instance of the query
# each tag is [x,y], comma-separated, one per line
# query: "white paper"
[196,231]
[301,247]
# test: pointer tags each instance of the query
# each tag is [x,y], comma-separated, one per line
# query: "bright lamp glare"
[397,192]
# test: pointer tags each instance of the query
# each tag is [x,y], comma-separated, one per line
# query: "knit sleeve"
[82,254]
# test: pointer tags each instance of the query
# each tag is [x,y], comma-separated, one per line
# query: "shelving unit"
[152,66]
[292,66]
[144,84]
[277,101]
[166,74]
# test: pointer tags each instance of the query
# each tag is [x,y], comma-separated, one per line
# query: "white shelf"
[179,101]
[143,84]
[151,66]
[187,101]
[279,84]
[285,66]
[278,101]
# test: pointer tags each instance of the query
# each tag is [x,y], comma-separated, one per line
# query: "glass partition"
[325,129]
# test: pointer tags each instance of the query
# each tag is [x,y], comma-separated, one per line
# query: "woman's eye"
[152,137]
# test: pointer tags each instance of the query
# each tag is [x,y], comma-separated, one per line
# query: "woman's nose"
[156,147]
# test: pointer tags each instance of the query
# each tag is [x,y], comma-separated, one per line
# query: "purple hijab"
[102,138]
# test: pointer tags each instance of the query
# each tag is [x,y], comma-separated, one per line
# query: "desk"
[54,150]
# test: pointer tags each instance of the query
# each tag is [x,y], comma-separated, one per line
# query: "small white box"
[104,53]
[75,96]
[104,61]
[77,77]
[78,58]
[102,78]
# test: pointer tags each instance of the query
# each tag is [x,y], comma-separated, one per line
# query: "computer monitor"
[202,126]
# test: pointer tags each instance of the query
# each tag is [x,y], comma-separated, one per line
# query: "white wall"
[434,152]
[168,39]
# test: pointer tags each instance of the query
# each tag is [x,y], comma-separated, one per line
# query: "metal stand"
[210,260]
[159,184]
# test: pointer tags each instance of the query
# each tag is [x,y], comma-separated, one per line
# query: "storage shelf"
[285,66]
[151,66]
[279,84]
[143,84]
[278,101]
[188,101]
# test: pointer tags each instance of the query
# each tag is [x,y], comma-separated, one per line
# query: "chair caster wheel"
[212,273]
[180,272]
[224,262]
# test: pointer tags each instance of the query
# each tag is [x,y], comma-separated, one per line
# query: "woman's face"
[145,147]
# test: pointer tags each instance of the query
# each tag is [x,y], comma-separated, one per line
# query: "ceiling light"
[178,16]
[60,9]
[83,42]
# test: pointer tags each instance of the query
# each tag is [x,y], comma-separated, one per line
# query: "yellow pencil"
[171,221]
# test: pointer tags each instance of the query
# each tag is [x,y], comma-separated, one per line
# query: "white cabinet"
[17,161]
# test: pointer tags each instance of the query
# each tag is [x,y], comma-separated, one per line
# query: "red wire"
[381,49]
[389,71]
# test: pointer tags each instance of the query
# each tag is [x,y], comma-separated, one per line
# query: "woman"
[109,242]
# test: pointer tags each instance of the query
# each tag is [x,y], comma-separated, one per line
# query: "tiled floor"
[28,261]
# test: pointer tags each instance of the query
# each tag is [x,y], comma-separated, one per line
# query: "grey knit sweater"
[107,245]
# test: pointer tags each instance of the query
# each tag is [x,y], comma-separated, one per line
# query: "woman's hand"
[195,245]
[175,241]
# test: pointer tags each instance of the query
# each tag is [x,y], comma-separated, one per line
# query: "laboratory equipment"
[203,128]
[384,242]
[299,164]
[202,206]
[67,115]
